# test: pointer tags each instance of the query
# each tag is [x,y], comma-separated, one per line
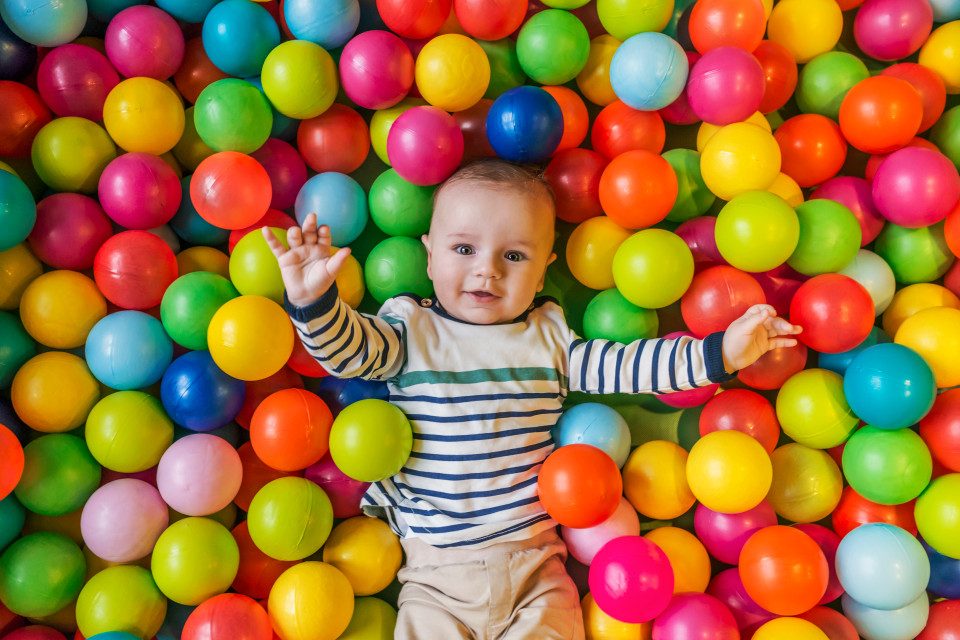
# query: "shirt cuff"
[713,358]
[314,310]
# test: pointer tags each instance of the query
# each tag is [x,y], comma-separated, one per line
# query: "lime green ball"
[16,347]
[829,237]
[813,410]
[505,70]
[254,270]
[69,154]
[915,255]
[826,79]
[371,439]
[59,474]
[887,466]
[121,598]
[565,4]
[40,574]
[625,18]
[946,134]
[233,115]
[399,207]
[194,559]
[397,265]
[373,619]
[693,197]
[290,518]
[612,317]
[757,231]
[938,515]
[300,79]
[128,431]
[553,46]
[653,268]
[189,303]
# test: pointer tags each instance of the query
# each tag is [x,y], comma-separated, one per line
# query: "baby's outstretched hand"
[307,268]
[754,333]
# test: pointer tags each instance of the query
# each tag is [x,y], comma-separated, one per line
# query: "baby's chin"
[489,313]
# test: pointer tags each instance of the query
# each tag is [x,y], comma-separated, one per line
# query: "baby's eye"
[515,256]
[464,249]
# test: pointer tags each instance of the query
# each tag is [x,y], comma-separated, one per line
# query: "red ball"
[854,510]
[228,616]
[336,140]
[473,126]
[880,114]
[303,363]
[230,190]
[811,147]
[742,410]
[70,228]
[940,429]
[256,475]
[733,23]
[257,571]
[286,169]
[196,71]
[574,176]
[11,461]
[579,485]
[835,311]
[134,268]
[415,19]
[779,72]
[943,622]
[22,115]
[638,189]
[619,128]
[831,622]
[490,19]
[290,430]
[775,367]
[257,390]
[272,218]
[933,93]
[718,296]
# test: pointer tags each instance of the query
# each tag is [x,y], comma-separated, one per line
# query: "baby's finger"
[294,237]
[781,327]
[323,238]
[336,261]
[275,245]
[780,343]
[309,229]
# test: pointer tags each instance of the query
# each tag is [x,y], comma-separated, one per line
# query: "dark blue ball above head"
[17,56]
[199,396]
[341,392]
[525,124]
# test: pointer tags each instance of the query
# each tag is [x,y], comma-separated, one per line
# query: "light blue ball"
[18,211]
[187,10]
[897,624]
[338,201]
[188,224]
[882,566]
[128,350]
[945,10]
[649,71]
[238,35]
[838,362]
[328,23]
[594,424]
[889,386]
[45,23]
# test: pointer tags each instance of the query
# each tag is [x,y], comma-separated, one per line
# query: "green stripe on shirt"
[474,376]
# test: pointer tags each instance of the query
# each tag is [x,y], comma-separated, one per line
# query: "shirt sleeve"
[350,344]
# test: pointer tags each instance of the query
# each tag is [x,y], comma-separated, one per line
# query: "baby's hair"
[494,171]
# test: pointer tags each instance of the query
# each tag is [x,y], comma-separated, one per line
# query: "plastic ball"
[228,614]
[727,587]
[122,520]
[74,80]
[830,238]
[889,386]
[344,492]
[13,462]
[855,194]
[18,268]
[591,249]
[144,114]
[339,203]
[741,157]
[794,628]
[719,23]
[35,632]
[399,207]
[594,424]
[688,558]
[257,571]
[813,410]
[553,46]
[706,131]
[45,25]
[892,30]
[826,79]
[584,544]
[594,79]
[642,263]
[638,189]
[588,501]
[290,429]
[716,297]
[780,74]
[40,574]
[290,518]
[940,429]
[835,311]
[812,148]
[134,268]
[723,534]
[20,56]
[805,28]
[942,621]
[655,480]
[887,467]
[253,267]
[300,79]
[717,471]
[128,350]
[196,72]
[631,579]
[373,619]
[452,72]
[742,410]
[128,431]
[425,145]
[376,69]
[233,115]
[612,317]
[189,303]
[59,308]
[931,333]
[238,36]
[916,187]
[806,483]
[879,624]
[24,114]
[370,440]
[366,551]
[69,229]
[649,71]
[915,255]
[725,86]
[939,53]
[329,24]
[121,597]
[321,584]
[230,190]
[250,337]
[336,140]
[59,475]
[933,92]
[193,560]
[783,570]
[397,265]
[756,231]
[695,615]
[936,514]
[875,275]
[874,550]
[881,114]
[524,124]
[199,474]
[69,154]
[144,41]
[37,392]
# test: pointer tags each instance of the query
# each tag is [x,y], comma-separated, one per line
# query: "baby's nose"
[488,267]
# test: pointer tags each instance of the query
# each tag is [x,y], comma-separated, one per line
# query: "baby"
[481,370]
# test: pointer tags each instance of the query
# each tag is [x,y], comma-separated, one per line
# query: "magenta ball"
[199,474]
[699,234]
[139,191]
[35,632]
[144,41]
[695,616]
[631,579]
[892,29]
[583,544]
[691,397]
[122,520]
[727,587]
[856,195]
[344,492]
[724,534]
[376,69]
[828,541]
[916,187]
[425,145]
[69,230]
[74,80]
[286,168]
[725,86]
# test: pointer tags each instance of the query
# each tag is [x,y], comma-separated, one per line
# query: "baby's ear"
[425,239]
[543,276]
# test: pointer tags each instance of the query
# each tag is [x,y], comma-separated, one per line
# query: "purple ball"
[724,534]
[855,194]
[376,69]
[699,234]
[725,86]
[631,579]
[69,230]
[425,145]
[199,474]
[695,616]
[286,168]
[74,80]
[892,29]
[344,492]
[916,187]
[139,191]
[144,41]
[122,520]
[727,587]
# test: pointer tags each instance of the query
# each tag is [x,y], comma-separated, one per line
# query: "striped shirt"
[482,400]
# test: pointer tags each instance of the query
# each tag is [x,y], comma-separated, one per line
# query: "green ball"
[829,237]
[887,467]
[16,347]
[254,270]
[399,207]
[505,70]
[553,46]
[12,517]
[121,598]
[653,268]
[18,211]
[194,559]
[693,197]
[189,303]
[915,255]
[128,431]
[826,79]
[612,317]
[59,474]
[233,115]
[938,515]
[290,518]
[757,231]
[373,619]
[397,265]
[625,18]
[946,134]
[371,439]
[40,574]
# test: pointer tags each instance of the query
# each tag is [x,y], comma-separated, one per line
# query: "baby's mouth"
[482,296]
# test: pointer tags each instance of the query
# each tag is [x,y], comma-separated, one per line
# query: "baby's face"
[488,250]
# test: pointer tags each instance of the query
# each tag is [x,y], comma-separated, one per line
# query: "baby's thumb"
[336,262]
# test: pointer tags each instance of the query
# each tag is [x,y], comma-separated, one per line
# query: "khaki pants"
[508,591]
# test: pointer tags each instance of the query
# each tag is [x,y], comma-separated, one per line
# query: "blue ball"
[880,624]
[342,392]
[328,23]
[188,224]
[649,71]
[944,574]
[44,23]
[338,201]
[838,362]
[524,124]
[945,10]
[104,10]
[187,10]
[17,56]
[889,386]
[594,424]
[113,635]
[197,395]
[128,350]
[18,211]
[882,566]
[238,35]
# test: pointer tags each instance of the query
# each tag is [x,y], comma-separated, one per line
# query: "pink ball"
[916,187]
[679,111]
[724,534]
[828,541]
[425,145]
[144,41]
[69,230]
[855,194]
[695,616]
[34,632]
[584,544]
[699,234]
[122,520]
[344,492]
[376,69]
[139,191]
[690,397]
[287,171]
[892,29]
[727,587]
[779,285]
[199,474]
[74,80]
[725,86]
[631,579]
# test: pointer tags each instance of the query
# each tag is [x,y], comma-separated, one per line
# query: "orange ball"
[812,149]
[784,570]
[257,571]
[951,230]
[579,486]
[196,71]
[11,461]
[576,120]
[881,114]
[231,190]
[779,72]
[256,474]
[727,23]
[290,430]
[638,189]
[619,128]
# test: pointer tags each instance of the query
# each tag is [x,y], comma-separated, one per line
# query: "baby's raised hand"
[307,268]
[754,333]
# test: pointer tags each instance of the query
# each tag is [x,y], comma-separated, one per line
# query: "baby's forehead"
[473,202]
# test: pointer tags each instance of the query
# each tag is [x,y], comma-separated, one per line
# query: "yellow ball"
[941,52]
[121,598]
[69,154]
[914,298]
[729,472]
[203,259]
[253,268]
[382,120]
[143,114]
[590,251]
[655,480]
[707,130]
[788,189]
[740,157]
[18,268]
[806,28]
[806,483]
[311,601]
[367,551]
[350,283]
[594,79]
[128,431]
[300,79]
[688,558]
[789,629]
[250,337]
[452,72]
[54,392]
[813,410]
[601,626]
[935,335]
[59,308]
